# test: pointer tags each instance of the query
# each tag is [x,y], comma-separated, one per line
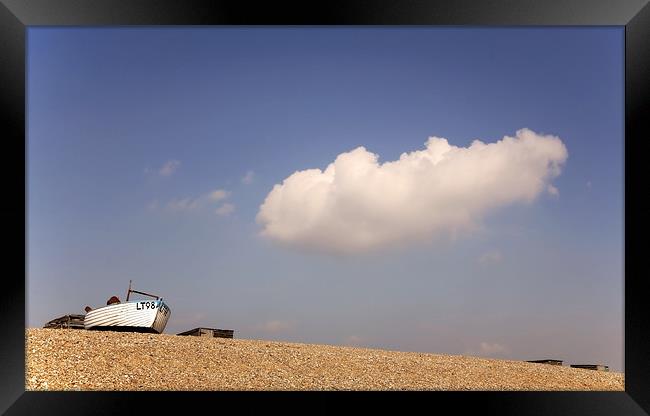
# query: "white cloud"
[357,204]
[552,190]
[169,168]
[488,349]
[185,204]
[225,209]
[248,178]
[218,195]
[589,184]
[491,257]
[192,204]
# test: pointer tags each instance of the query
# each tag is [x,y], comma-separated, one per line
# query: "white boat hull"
[142,316]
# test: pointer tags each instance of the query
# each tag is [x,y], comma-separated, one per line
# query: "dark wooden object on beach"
[597,367]
[67,321]
[210,332]
[547,361]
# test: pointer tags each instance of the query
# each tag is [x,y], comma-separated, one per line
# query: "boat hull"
[136,316]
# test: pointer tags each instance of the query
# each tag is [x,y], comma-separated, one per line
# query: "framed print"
[420,197]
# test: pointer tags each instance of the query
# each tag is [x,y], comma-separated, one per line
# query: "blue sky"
[108,108]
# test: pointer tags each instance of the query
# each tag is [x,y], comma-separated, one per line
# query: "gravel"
[76,359]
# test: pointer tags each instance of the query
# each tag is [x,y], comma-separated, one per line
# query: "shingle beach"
[72,359]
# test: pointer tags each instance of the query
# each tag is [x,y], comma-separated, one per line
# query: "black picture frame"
[17,15]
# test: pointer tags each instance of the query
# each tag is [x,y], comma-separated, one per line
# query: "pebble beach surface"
[76,359]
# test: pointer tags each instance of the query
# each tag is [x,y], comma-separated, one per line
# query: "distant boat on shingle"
[598,367]
[133,316]
[546,361]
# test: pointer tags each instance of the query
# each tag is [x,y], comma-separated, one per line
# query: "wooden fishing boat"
[133,316]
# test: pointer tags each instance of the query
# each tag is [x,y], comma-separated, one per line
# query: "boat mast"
[146,294]
[136,291]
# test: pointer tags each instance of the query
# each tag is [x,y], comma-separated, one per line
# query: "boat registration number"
[145,305]
[152,305]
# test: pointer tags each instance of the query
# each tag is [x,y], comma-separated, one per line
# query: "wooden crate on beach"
[209,332]
[67,321]
[597,367]
[546,361]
